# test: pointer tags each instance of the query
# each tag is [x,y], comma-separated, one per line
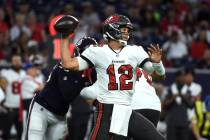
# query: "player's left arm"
[155,66]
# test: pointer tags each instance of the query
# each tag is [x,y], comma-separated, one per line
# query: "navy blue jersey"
[61,88]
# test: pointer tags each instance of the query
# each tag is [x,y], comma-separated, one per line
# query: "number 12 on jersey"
[125,72]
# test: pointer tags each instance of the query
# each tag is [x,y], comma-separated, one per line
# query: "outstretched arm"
[66,26]
[67,61]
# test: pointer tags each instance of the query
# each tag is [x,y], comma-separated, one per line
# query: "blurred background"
[180,27]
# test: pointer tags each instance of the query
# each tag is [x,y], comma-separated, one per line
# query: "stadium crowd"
[180,27]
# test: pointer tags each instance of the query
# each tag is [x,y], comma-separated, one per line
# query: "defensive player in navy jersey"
[47,113]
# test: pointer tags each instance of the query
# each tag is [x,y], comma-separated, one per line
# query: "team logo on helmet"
[112,19]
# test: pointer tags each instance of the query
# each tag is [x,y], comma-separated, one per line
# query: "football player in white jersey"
[38,60]
[30,85]
[116,63]
[145,99]
[13,76]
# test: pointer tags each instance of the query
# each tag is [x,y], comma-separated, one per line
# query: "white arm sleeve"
[159,68]
[148,67]
[151,67]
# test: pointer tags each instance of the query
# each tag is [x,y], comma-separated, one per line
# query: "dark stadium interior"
[180,27]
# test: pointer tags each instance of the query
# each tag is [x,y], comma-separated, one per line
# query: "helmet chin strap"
[122,42]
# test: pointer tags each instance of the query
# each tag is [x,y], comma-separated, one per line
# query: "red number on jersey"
[126,74]
[146,75]
[16,87]
[112,79]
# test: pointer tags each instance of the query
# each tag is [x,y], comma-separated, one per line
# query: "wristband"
[159,68]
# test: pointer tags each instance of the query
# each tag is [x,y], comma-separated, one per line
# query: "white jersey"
[29,85]
[40,78]
[90,92]
[194,88]
[13,89]
[145,95]
[116,71]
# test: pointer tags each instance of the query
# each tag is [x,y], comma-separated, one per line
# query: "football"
[66,25]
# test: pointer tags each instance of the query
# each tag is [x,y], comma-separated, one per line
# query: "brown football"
[66,24]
